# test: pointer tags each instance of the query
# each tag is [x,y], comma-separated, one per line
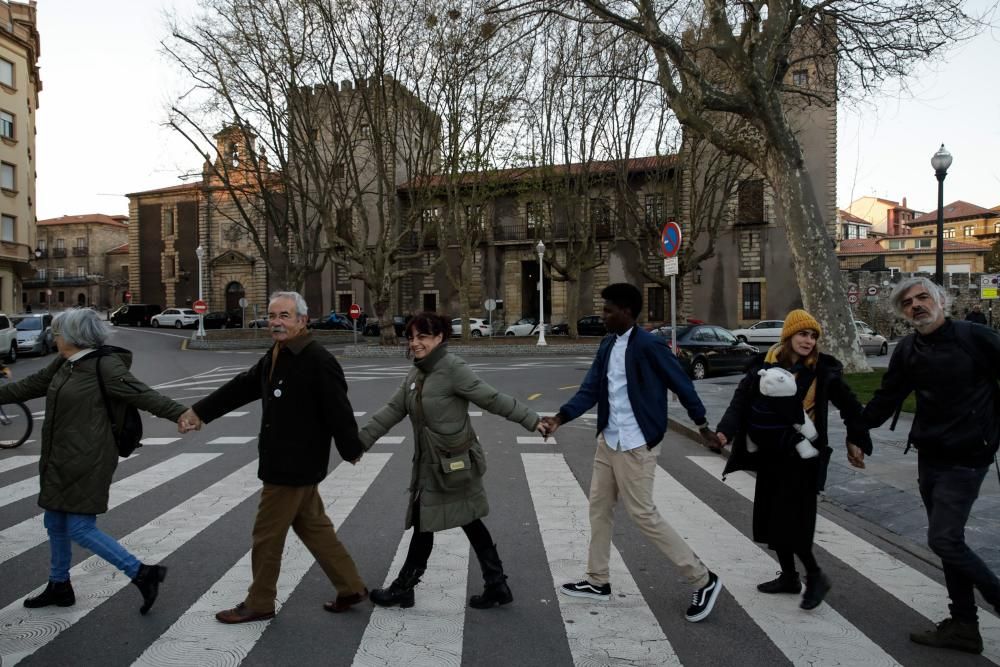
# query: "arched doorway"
[81,299]
[234,292]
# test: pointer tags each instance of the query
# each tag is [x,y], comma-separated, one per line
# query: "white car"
[8,339]
[765,331]
[478,326]
[177,318]
[871,342]
[526,326]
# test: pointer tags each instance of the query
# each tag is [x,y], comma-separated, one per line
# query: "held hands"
[189,421]
[713,440]
[855,456]
[548,425]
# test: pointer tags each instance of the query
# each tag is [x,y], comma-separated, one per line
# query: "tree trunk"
[572,305]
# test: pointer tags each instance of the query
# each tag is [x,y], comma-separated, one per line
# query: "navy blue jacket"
[651,370]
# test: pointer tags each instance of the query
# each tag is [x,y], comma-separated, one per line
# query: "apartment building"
[963,222]
[19,88]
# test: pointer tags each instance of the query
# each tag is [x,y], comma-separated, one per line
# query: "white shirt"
[622,432]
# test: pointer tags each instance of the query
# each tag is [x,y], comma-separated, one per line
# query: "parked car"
[372,327]
[592,325]
[222,320]
[259,323]
[871,342]
[8,338]
[479,327]
[523,327]
[765,331]
[703,349]
[331,324]
[177,318]
[34,333]
[134,314]
[561,329]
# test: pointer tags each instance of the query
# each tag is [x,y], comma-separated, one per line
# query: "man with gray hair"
[953,367]
[304,404]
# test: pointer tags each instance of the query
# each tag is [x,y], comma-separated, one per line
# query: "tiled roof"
[90,218]
[953,211]
[873,247]
[172,188]
[517,174]
[847,216]
[118,250]
[860,247]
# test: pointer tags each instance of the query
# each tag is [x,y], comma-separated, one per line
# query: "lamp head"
[941,160]
[200,252]
[540,248]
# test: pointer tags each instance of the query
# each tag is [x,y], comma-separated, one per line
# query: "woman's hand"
[855,456]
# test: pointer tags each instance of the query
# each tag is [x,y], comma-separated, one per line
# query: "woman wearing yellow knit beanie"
[784,513]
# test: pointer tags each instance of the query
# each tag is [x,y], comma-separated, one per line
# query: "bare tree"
[737,59]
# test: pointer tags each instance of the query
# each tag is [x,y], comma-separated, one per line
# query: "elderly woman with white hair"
[79,453]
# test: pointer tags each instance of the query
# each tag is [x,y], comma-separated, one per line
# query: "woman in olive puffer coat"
[446,485]
[79,454]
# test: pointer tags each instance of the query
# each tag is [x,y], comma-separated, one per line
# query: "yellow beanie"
[796,321]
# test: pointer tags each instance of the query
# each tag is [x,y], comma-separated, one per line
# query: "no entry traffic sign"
[199,307]
[670,239]
[355,311]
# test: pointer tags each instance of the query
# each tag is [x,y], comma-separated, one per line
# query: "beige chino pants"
[630,475]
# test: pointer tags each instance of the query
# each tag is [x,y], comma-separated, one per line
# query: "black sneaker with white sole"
[585,589]
[703,599]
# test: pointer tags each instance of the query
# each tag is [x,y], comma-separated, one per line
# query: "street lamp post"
[941,161]
[540,249]
[201,316]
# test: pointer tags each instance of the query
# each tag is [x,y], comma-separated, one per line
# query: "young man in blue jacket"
[628,381]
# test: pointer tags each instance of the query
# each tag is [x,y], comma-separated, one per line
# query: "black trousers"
[948,492]
[422,542]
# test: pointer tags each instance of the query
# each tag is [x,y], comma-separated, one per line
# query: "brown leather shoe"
[242,614]
[345,602]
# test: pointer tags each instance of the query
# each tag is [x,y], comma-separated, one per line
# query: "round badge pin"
[277,393]
[413,385]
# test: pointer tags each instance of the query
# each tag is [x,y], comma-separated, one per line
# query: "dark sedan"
[222,320]
[704,348]
[592,325]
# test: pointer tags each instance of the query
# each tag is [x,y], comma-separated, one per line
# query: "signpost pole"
[670,245]
[673,315]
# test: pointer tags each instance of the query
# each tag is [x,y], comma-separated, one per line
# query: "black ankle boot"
[59,593]
[148,582]
[817,586]
[787,582]
[496,590]
[400,591]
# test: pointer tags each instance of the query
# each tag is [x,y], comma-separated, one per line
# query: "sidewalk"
[885,492]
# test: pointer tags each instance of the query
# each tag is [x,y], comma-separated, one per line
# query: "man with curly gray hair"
[953,367]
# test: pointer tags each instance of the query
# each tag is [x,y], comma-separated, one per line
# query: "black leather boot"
[817,586]
[59,593]
[148,582]
[400,591]
[496,590]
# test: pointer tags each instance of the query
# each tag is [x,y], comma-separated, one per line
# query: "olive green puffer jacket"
[448,461]
[79,454]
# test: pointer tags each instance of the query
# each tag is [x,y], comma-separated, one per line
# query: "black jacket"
[830,388]
[304,404]
[956,421]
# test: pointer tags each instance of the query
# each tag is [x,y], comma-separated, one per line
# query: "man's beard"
[923,321]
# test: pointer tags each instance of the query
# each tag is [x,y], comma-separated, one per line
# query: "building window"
[922,243]
[430,302]
[969,230]
[656,210]
[61,244]
[8,176]
[852,231]
[6,125]
[996,227]
[62,296]
[750,202]
[897,244]
[81,242]
[800,78]
[862,232]
[41,274]
[949,233]
[60,274]
[654,297]
[41,297]
[6,72]
[168,222]
[81,272]
[474,217]
[429,259]
[338,171]
[42,245]
[8,224]
[751,301]
[600,215]
[534,215]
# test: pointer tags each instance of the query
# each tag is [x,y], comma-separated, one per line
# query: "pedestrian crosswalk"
[212,494]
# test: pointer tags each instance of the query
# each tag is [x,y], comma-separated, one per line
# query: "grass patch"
[865,384]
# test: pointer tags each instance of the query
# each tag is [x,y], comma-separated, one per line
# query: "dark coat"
[444,437]
[785,496]
[304,405]
[79,454]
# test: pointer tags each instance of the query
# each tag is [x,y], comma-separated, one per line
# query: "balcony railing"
[59,252]
[80,251]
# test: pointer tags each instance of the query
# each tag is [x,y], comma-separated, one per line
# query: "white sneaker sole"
[708,607]
[581,594]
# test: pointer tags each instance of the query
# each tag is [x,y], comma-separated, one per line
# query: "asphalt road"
[189,503]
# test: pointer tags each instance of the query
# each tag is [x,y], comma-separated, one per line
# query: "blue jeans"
[949,492]
[64,527]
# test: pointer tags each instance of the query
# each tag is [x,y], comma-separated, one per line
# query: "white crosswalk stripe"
[24,631]
[158,441]
[620,631]
[198,639]
[30,533]
[16,462]
[29,487]
[232,440]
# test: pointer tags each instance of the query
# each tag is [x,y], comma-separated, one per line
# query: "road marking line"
[17,462]
[914,589]
[533,397]
[95,580]
[158,441]
[431,632]
[236,413]
[821,637]
[31,532]
[232,440]
[196,634]
[622,630]
[360,414]
[475,413]
[535,440]
[570,386]
[391,440]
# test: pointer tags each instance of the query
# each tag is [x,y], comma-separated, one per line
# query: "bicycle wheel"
[15,425]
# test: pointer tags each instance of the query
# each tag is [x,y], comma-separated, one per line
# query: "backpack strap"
[104,396]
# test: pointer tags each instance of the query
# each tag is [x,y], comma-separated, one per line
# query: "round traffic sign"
[355,311]
[852,298]
[243,302]
[490,305]
[872,290]
[199,307]
[670,239]
[853,289]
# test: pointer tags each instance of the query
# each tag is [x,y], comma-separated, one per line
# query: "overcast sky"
[106,89]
